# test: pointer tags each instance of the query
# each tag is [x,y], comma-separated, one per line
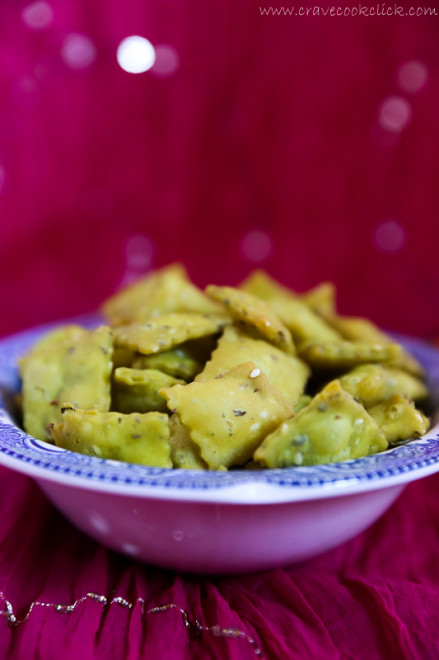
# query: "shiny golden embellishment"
[193,626]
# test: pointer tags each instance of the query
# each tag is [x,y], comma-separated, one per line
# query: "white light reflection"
[135,54]
[256,245]
[38,15]
[78,51]
[394,114]
[99,523]
[130,549]
[412,76]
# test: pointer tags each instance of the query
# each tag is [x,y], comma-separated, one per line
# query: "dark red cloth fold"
[376,596]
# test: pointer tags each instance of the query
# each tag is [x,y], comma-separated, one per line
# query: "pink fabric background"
[266,124]
[374,597]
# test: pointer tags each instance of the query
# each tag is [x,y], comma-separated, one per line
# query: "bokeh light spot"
[383,138]
[412,76]
[37,15]
[256,245]
[139,253]
[25,92]
[167,61]
[389,236]
[135,54]
[394,114]
[78,51]
[2,178]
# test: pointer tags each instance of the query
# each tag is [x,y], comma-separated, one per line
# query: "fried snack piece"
[399,419]
[185,454]
[305,327]
[68,364]
[304,324]
[167,331]
[358,329]
[261,285]
[253,314]
[162,292]
[134,438]
[179,362]
[304,400]
[286,372]
[321,299]
[137,390]
[123,357]
[333,427]
[228,416]
[372,383]
[300,315]
[347,354]
[57,336]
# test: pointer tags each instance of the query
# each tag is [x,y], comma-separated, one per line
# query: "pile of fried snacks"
[250,377]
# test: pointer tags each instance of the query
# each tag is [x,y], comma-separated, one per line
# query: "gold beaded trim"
[193,626]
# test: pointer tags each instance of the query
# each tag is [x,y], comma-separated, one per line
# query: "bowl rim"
[52,465]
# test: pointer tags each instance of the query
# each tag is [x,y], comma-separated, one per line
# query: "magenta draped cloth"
[376,596]
[307,146]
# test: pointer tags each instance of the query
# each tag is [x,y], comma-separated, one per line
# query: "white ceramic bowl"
[214,522]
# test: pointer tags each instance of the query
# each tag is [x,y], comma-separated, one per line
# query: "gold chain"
[193,626]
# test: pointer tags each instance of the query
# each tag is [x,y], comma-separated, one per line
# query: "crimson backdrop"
[256,140]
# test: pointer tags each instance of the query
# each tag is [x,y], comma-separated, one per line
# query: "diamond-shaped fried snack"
[304,324]
[254,315]
[300,314]
[161,292]
[228,416]
[321,299]
[137,390]
[286,372]
[333,427]
[135,438]
[304,400]
[358,329]
[68,364]
[123,357]
[185,453]
[399,419]
[347,354]
[180,362]
[372,383]
[265,287]
[167,331]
